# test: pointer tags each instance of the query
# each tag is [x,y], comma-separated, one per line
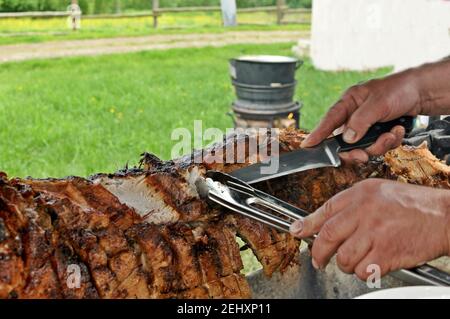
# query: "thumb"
[363,118]
[337,115]
[312,223]
[304,227]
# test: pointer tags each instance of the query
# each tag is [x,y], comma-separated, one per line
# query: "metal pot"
[272,110]
[258,94]
[265,70]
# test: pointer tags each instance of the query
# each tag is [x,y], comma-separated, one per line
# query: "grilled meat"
[146,233]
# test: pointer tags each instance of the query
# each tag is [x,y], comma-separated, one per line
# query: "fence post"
[280,10]
[155,7]
[118,6]
[228,8]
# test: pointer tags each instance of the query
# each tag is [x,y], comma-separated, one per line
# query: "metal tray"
[302,281]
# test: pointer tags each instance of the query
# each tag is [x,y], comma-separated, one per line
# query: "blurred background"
[87,86]
[47,18]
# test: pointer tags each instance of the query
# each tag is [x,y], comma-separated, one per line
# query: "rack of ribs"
[146,233]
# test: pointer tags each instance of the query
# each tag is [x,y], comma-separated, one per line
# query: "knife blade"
[326,154]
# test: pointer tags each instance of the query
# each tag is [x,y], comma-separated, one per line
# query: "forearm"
[433,81]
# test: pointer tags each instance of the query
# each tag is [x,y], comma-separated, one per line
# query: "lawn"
[26,30]
[78,116]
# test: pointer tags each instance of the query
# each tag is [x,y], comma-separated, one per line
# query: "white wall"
[367,34]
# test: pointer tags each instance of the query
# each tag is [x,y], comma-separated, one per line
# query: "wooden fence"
[281,11]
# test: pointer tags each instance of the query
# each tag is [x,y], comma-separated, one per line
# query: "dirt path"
[20,52]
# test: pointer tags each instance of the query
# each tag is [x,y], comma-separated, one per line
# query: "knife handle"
[374,132]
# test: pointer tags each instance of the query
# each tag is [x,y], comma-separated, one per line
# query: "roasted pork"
[146,233]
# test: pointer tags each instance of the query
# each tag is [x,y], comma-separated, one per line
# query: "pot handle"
[232,67]
[230,114]
[298,64]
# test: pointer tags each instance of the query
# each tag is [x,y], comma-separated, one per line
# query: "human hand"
[363,105]
[391,224]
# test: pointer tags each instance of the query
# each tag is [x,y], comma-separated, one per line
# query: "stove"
[265,89]
[277,116]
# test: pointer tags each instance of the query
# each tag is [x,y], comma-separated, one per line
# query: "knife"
[326,154]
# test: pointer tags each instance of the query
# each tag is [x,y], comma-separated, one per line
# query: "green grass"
[27,30]
[78,116]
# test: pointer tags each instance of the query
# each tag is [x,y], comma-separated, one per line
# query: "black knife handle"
[374,132]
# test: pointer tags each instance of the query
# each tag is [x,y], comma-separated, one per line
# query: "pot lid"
[267,59]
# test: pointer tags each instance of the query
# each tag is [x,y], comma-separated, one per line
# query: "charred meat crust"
[145,233]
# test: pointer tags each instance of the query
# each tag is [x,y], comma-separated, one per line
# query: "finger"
[352,251]
[384,143]
[387,141]
[399,132]
[354,156]
[335,117]
[362,119]
[311,224]
[338,131]
[333,233]
[370,264]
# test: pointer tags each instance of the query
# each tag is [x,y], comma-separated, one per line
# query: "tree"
[84,6]
[99,6]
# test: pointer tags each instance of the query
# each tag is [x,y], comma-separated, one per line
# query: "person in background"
[391,224]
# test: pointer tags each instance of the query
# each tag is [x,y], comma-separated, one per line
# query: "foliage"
[110,6]
[32,5]
[300,3]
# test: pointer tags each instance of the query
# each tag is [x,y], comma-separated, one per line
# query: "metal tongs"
[239,197]
[243,199]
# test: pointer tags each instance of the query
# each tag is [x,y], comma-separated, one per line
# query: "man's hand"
[363,105]
[381,222]
[423,90]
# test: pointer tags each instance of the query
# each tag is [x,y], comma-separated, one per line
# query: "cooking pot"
[264,70]
[259,94]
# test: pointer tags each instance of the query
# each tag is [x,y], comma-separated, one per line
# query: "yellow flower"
[112,110]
